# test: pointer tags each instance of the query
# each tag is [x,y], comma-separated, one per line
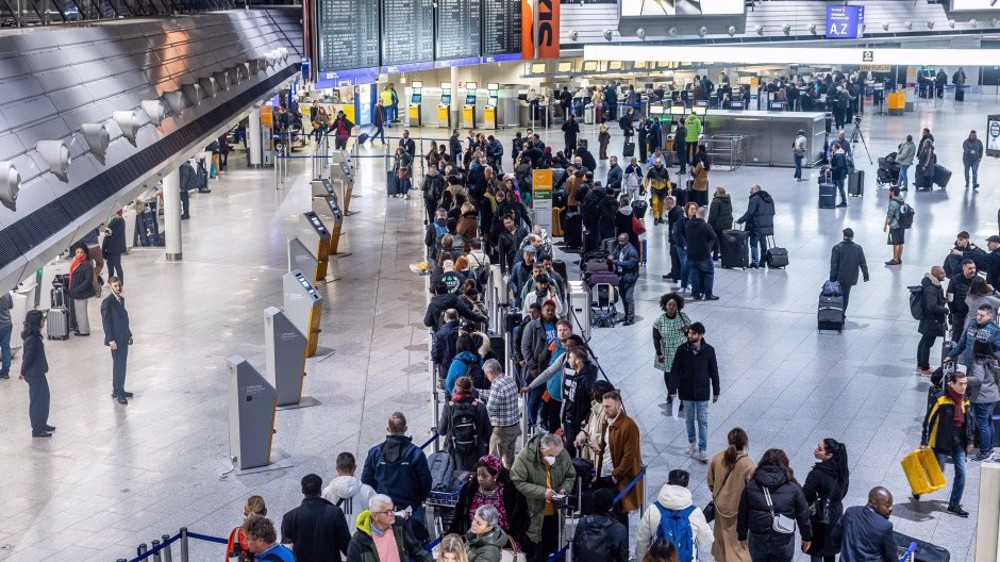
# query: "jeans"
[798,166]
[5,349]
[697,409]
[840,187]
[845,291]
[958,486]
[682,257]
[627,291]
[702,273]
[974,166]
[419,515]
[771,547]
[534,403]
[924,351]
[758,247]
[904,176]
[984,420]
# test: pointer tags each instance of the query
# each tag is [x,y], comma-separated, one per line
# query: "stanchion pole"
[184,544]
[167,554]
[142,548]
[156,555]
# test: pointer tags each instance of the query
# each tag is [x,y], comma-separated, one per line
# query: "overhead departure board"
[458,29]
[347,34]
[501,27]
[407,31]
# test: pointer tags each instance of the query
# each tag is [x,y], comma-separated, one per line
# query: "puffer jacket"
[985,337]
[528,474]
[754,515]
[720,212]
[676,498]
[935,309]
[760,214]
[486,547]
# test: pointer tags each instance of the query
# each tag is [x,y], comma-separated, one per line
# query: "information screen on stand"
[501,27]
[348,34]
[845,22]
[458,29]
[406,36]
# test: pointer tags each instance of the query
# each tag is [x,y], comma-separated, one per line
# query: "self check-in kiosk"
[303,305]
[285,356]
[314,236]
[302,258]
[490,111]
[322,187]
[413,109]
[328,211]
[469,109]
[342,177]
[342,157]
[444,108]
[252,403]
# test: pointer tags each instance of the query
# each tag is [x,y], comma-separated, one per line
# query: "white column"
[987,541]
[253,137]
[172,214]
[455,106]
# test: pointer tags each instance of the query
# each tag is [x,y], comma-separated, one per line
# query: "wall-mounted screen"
[653,8]
[975,5]
[845,22]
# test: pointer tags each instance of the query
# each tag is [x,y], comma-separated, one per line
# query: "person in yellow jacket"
[387,104]
[658,184]
[950,430]
[693,126]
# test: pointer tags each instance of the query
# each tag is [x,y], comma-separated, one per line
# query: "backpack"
[675,526]
[464,433]
[475,372]
[917,302]
[906,213]
[590,542]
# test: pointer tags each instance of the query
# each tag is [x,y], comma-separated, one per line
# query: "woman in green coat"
[720,216]
[486,539]
[668,335]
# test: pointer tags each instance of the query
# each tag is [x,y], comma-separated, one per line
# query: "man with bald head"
[934,310]
[864,533]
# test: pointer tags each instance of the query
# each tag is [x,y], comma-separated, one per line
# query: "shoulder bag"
[710,508]
[821,507]
[780,523]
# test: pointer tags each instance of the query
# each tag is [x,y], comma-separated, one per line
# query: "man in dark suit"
[864,533]
[114,246]
[118,337]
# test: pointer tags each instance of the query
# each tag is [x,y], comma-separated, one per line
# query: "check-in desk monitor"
[490,111]
[342,157]
[285,356]
[329,212]
[444,108]
[342,177]
[252,402]
[413,110]
[316,238]
[304,307]
[469,109]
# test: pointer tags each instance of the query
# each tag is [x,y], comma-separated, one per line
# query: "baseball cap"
[529,249]
[548,302]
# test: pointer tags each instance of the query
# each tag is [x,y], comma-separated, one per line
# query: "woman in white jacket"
[673,496]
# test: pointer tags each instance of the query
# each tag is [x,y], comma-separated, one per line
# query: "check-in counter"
[770,134]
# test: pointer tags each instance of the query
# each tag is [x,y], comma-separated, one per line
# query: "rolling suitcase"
[628,149]
[827,196]
[557,214]
[856,183]
[391,183]
[57,323]
[639,207]
[942,175]
[559,267]
[922,551]
[573,234]
[776,258]
[735,249]
[830,313]
[923,472]
[681,196]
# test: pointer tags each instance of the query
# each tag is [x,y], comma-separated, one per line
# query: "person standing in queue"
[34,366]
[825,489]
[571,129]
[114,246]
[117,336]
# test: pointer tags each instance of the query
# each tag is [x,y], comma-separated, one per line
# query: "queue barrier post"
[156,552]
[168,555]
[184,544]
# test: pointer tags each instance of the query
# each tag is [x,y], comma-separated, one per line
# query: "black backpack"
[475,372]
[906,213]
[590,543]
[917,302]
[464,433]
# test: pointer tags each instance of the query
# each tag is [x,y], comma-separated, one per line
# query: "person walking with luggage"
[728,474]
[341,129]
[972,155]
[839,170]
[720,216]
[846,259]
[625,260]
[799,153]
[825,488]
[600,537]
[82,287]
[759,220]
[771,507]
[674,518]
[978,350]
[114,246]
[697,371]
[316,529]
[701,242]
[864,533]
[926,160]
[619,459]
[894,226]
[949,430]
[904,157]
[380,122]
[6,329]
[543,472]
[398,469]
[117,336]
[933,311]
[570,129]
[628,129]
[34,366]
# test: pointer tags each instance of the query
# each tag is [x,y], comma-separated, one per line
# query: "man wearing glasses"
[382,536]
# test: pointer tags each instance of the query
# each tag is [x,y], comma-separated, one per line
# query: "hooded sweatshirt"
[676,498]
[398,469]
[352,491]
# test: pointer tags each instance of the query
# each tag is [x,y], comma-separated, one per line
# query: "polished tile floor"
[115,476]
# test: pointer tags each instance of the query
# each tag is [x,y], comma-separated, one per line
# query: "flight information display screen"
[406,36]
[501,27]
[459,34]
[347,32]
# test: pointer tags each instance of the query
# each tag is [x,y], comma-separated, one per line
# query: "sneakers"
[893,262]
[924,372]
[981,456]
[702,457]
[691,450]
[957,510]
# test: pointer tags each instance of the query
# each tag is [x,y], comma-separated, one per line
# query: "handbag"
[780,523]
[403,173]
[709,510]
[637,226]
[820,509]
[512,554]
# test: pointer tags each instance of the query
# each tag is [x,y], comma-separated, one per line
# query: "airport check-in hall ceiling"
[88,115]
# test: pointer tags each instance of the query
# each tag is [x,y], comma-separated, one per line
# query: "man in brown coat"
[620,458]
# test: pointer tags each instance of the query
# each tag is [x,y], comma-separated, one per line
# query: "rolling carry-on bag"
[57,323]
[639,207]
[923,472]
[830,313]
[628,149]
[922,551]
[681,197]
[735,249]
[775,257]
[942,175]
[856,183]
[827,196]
[573,233]
[559,267]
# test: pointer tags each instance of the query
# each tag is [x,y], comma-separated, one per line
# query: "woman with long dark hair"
[771,507]
[825,489]
[82,287]
[727,476]
[33,369]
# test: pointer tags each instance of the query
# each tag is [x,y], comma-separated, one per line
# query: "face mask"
[550,460]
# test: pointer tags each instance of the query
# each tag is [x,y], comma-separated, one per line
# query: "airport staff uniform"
[116,329]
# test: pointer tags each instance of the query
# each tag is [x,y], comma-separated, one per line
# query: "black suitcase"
[628,149]
[776,258]
[942,175]
[830,313]
[681,197]
[925,551]
[391,183]
[573,233]
[959,93]
[362,138]
[497,349]
[856,183]
[827,196]
[559,267]
[639,208]
[734,248]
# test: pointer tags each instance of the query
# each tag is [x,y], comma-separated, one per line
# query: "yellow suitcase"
[557,213]
[923,472]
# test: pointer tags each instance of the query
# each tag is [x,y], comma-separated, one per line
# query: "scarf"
[959,417]
[72,267]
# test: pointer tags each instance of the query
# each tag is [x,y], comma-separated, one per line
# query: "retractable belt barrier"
[161,552]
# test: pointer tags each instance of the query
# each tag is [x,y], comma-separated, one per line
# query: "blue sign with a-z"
[845,22]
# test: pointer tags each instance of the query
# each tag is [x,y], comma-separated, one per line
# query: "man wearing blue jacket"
[625,259]
[397,468]
[864,533]
[979,347]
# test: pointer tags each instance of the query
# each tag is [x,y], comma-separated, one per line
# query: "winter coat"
[616,547]
[514,504]
[628,263]
[701,239]
[459,366]
[760,214]
[700,177]
[615,175]
[534,348]
[398,469]
[987,338]
[939,433]
[81,283]
[934,307]
[441,303]
[754,515]
[821,485]
[693,126]
[529,475]
[726,484]
[697,373]
[720,212]
[904,157]
[626,458]
[362,547]
[317,530]
[623,224]
[350,495]
[972,150]
[845,261]
[676,498]
[486,547]
[958,289]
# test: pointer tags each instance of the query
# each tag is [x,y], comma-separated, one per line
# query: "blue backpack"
[675,527]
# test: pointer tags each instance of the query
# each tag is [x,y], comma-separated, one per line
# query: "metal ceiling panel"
[52,128]
[21,113]
[69,99]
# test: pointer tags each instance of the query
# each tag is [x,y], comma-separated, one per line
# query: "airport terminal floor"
[113,476]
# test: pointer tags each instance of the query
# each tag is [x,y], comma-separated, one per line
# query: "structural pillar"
[455,105]
[172,214]
[253,138]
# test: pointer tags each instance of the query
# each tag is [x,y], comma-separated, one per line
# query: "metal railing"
[729,150]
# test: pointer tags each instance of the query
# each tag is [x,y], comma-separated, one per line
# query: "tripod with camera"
[856,135]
